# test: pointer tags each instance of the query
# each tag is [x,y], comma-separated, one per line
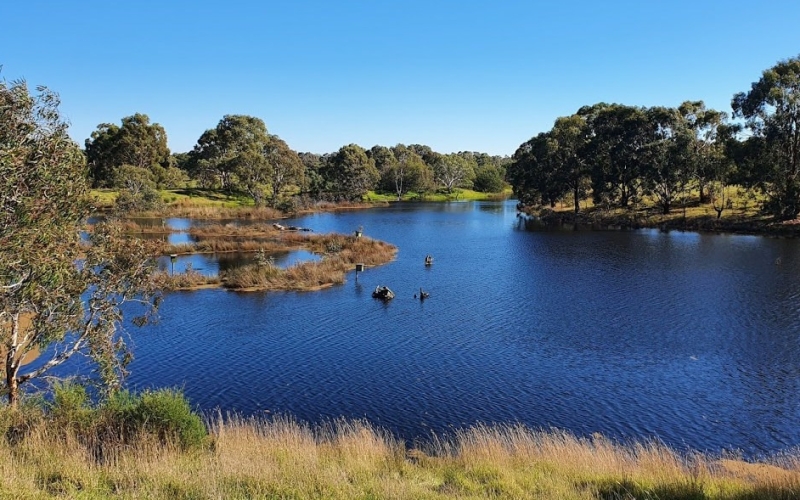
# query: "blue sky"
[455,75]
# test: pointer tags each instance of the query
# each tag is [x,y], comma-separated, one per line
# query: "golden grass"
[188,280]
[742,213]
[215,245]
[282,458]
[233,230]
[339,255]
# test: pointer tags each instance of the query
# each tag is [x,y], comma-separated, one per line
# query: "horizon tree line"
[619,154]
[239,155]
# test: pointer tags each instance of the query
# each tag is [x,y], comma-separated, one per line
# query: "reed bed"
[132,227]
[188,280]
[340,254]
[233,230]
[187,209]
[279,457]
[219,245]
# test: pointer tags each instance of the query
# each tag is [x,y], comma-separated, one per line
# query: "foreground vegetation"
[152,446]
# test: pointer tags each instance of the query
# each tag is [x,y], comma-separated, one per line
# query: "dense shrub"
[122,419]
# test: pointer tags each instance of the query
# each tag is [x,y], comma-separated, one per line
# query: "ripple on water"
[689,338]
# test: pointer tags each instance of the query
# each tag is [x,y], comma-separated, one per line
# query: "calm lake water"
[690,338]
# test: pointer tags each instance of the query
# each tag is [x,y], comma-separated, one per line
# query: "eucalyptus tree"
[231,155]
[349,173]
[453,171]
[136,142]
[285,168]
[58,296]
[706,149]
[534,173]
[137,190]
[771,109]
[428,155]
[617,148]
[385,164]
[490,173]
[407,173]
[312,181]
[569,141]
[489,178]
[667,170]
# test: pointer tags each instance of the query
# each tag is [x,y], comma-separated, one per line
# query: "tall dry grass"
[281,458]
[185,208]
[339,256]
[188,280]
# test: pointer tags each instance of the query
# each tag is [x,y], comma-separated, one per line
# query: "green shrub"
[71,408]
[167,413]
[121,420]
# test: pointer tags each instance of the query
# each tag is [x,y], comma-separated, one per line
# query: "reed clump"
[229,245]
[187,209]
[279,457]
[233,230]
[187,280]
[339,256]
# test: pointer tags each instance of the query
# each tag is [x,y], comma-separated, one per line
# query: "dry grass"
[742,213]
[189,280]
[340,254]
[218,245]
[233,230]
[281,458]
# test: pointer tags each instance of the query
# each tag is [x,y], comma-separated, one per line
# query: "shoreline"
[741,224]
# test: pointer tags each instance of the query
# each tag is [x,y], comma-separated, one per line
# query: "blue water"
[690,338]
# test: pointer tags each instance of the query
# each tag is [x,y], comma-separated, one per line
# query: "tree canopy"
[58,295]
[771,109]
[136,142]
[349,174]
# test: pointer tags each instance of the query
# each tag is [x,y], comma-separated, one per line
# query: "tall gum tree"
[136,142]
[284,167]
[59,296]
[771,109]
[617,148]
[570,136]
[349,173]
[232,154]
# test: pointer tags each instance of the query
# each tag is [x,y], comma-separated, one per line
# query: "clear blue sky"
[455,75]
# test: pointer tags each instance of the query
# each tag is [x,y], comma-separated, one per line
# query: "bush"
[121,420]
[165,414]
[71,409]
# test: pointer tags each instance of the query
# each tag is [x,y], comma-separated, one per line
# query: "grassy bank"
[455,195]
[280,458]
[741,213]
[211,204]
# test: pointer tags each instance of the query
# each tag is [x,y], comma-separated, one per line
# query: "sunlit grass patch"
[279,457]
[339,255]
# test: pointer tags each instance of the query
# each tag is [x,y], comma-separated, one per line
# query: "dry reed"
[279,457]
[340,254]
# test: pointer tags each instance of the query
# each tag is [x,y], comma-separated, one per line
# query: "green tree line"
[240,155]
[619,154]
